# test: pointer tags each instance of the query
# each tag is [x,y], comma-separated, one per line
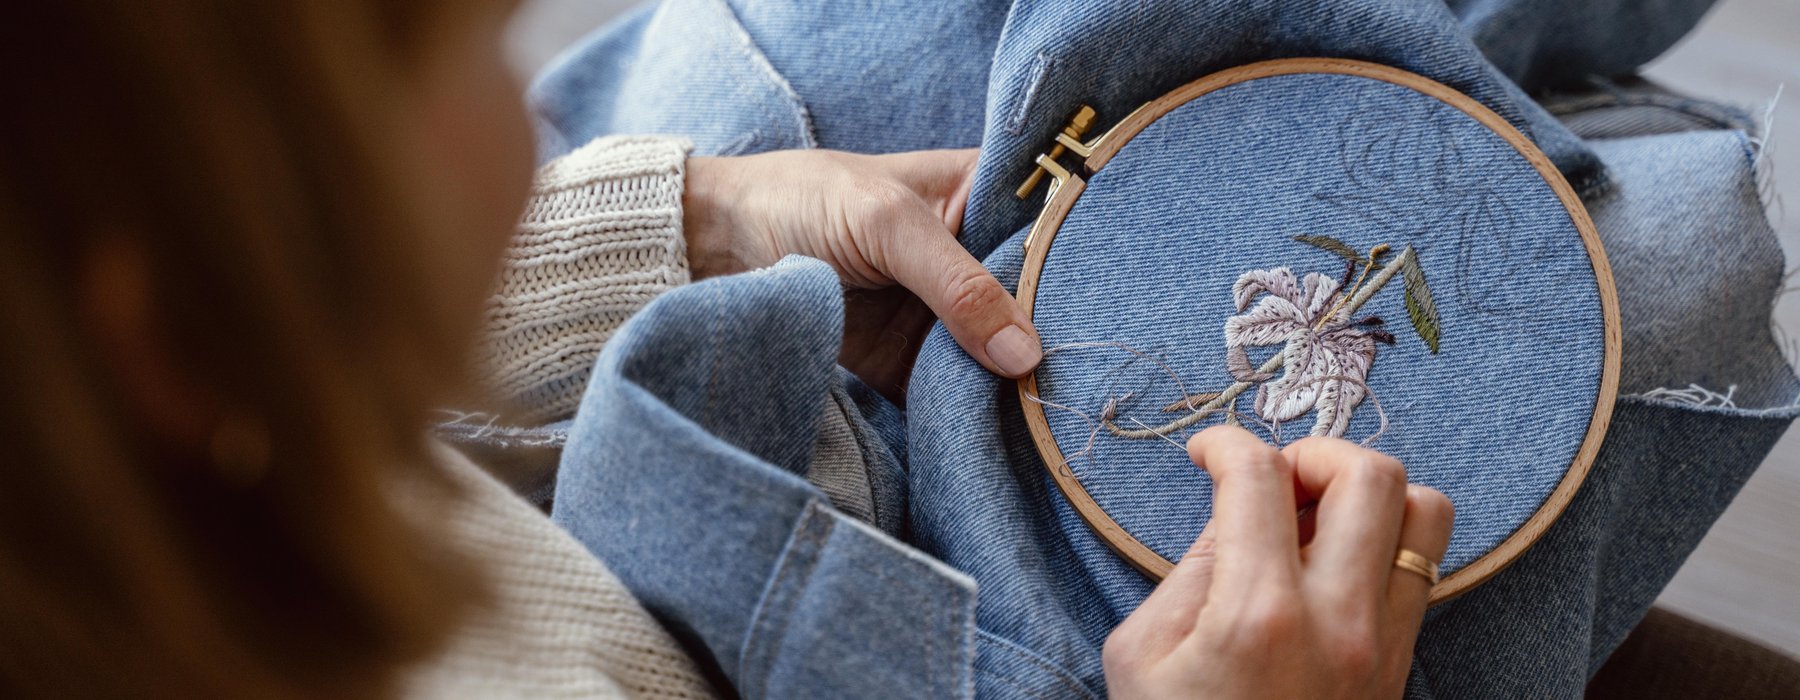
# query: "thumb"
[1184,591]
[985,320]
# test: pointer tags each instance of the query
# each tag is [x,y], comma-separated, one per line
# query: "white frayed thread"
[1762,162]
[486,426]
[1694,395]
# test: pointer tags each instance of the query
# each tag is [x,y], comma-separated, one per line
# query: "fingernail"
[1013,351]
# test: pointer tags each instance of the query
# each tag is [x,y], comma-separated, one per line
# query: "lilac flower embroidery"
[1325,358]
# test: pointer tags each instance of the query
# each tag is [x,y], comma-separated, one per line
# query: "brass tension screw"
[1078,126]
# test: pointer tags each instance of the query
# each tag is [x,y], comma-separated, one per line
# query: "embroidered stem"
[1375,284]
[1347,307]
[1374,259]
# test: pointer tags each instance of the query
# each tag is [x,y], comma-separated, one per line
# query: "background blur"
[1746,575]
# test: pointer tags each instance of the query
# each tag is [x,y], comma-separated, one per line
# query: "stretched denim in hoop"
[978,498]
[1220,187]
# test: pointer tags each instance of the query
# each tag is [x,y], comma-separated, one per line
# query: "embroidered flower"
[1325,358]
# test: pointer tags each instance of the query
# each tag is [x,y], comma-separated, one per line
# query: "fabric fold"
[689,452]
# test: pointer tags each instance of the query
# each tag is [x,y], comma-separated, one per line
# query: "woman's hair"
[241,155]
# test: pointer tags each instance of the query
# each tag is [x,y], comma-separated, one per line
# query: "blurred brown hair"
[242,151]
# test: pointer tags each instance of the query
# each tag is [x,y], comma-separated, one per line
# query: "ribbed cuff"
[600,238]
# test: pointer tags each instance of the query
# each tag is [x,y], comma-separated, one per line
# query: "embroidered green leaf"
[1419,305]
[1333,246]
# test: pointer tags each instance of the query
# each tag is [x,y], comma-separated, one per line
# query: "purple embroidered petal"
[1320,295]
[1237,362]
[1352,348]
[1337,404]
[1278,282]
[1271,322]
[1347,354]
[1296,391]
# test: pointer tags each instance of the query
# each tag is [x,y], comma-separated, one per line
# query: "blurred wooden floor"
[1746,575]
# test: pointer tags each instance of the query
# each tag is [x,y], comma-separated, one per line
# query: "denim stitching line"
[1616,97]
[774,77]
[803,534]
[1016,125]
[918,596]
[752,638]
[741,144]
[1016,651]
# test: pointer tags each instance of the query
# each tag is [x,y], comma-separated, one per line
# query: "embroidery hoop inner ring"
[1066,190]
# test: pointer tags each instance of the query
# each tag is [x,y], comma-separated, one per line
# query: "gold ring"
[1408,560]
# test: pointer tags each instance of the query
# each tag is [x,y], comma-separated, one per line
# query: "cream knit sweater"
[600,238]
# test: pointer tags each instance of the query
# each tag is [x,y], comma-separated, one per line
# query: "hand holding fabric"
[1267,605]
[881,221]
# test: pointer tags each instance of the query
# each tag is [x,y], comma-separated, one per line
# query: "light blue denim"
[1219,187]
[684,469]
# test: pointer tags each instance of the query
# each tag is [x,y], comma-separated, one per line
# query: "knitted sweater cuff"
[601,237]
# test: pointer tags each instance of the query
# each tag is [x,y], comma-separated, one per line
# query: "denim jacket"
[686,467]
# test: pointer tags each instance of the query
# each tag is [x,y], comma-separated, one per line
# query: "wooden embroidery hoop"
[1066,187]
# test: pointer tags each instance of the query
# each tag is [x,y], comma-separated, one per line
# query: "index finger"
[986,321]
[1253,508]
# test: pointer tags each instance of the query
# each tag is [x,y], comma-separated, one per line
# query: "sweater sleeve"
[600,238]
[561,624]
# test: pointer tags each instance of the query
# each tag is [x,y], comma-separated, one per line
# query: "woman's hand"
[880,221]
[1265,605]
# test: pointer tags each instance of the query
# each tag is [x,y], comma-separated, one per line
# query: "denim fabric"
[1637,107]
[1540,627]
[1025,66]
[1542,44]
[690,447]
[1698,270]
[684,472]
[683,67]
[1148,257]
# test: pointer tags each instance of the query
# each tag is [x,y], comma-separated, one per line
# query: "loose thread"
[1696,395]
[1110,410]
[1166,369]
[486,428]
[1093,434]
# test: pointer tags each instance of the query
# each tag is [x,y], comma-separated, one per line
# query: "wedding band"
[1408,560]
